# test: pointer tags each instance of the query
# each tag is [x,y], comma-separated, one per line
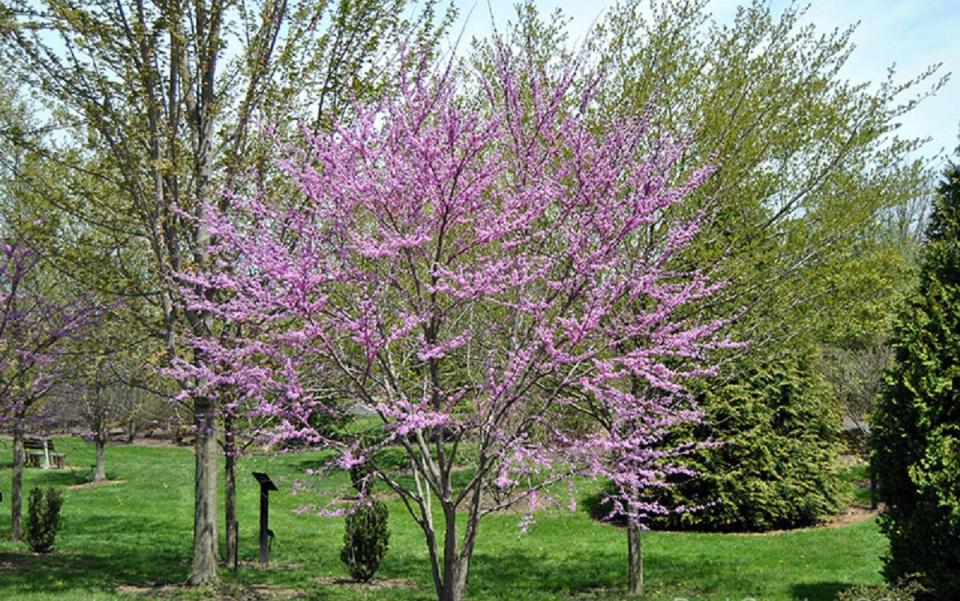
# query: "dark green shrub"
[43,519]
[777,464]
[365,540]
[916,423]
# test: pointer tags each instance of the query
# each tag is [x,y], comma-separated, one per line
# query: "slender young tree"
[463,265]
[92,397]
[97,411]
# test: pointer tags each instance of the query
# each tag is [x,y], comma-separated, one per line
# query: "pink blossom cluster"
[33,329]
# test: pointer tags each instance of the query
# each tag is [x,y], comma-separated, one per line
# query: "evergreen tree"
[776,464]
[916,427]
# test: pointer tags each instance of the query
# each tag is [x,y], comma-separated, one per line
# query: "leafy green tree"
[810,180]
[809,173]
[916,425]
[808,164]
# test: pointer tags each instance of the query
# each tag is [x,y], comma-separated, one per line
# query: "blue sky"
[909,33]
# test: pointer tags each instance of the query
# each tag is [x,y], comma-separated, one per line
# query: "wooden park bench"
[41,453]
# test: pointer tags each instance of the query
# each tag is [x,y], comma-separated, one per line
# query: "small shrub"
[43,519]
[365,539]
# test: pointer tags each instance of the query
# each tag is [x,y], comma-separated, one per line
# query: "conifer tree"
[916,437]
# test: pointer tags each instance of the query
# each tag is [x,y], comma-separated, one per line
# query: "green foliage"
[365,539]
[43,519]
[812,201]
[916,425]
[776,464]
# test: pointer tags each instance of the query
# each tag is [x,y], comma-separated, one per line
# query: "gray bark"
[230,490]
[203,571]
[454,581]
[450,579]
[100,471]
[16,486]
[634,559]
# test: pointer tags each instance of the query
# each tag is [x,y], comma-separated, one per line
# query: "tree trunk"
[454,566]
[230,490]
[204,569]
[16,485]
[453,591]
[634,559]
[100,471]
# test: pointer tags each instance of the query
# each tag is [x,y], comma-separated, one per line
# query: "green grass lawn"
[119,539]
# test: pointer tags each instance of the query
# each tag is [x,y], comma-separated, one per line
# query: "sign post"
[266,485]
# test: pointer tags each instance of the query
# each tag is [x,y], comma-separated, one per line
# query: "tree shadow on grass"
[24,571]
[101,565]
[591,575]
[64,573]
[818,591]
[58,478]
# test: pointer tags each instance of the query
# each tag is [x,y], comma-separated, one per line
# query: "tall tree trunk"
[634,559]
[230,489]
[100,471]
[204,569]
[16,485]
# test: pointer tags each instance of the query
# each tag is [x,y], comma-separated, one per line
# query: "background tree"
[916,423]
[159,103]
[811,173]
[97,410]
[95,394]
[855,377]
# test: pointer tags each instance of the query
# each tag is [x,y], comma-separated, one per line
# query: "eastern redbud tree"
[34,325]
[486,267]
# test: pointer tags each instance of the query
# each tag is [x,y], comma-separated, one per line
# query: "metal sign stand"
[266,485]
